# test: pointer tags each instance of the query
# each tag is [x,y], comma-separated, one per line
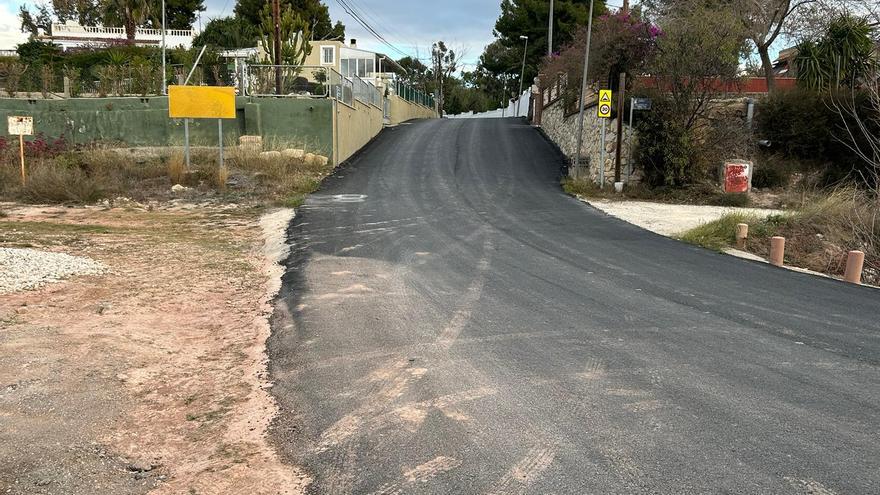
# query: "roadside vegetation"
[819,232]
[58,173]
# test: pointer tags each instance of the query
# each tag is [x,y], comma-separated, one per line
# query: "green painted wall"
[144,121]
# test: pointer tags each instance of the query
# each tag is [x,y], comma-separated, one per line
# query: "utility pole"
[522,73]
[276,17]
[550,32]
[164,75]
[621,99]
[580,136]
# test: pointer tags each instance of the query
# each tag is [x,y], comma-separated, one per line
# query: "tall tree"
[416,74]
[84,12]
[37,23]
[179,14]
[294,36]
[764,21]
[444,63]
[313,12]
[229,33]
[844,55]
[129,13]
[531,18]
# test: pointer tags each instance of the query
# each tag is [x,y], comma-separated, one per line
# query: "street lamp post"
[580,137]
[522,73]
[164,75]
[550,32]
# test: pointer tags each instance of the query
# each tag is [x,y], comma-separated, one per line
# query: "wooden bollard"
[742,233]
[855,261]
[777,251]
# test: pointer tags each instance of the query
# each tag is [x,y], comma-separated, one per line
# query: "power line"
[355,15]
[379,22]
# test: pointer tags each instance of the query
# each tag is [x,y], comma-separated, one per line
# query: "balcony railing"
[75,31]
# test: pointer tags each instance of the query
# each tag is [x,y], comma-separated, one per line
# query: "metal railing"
[413,95]
[309,82]
[295,80]
[365,92]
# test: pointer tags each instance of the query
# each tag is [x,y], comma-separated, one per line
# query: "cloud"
[410,26]
[10,27]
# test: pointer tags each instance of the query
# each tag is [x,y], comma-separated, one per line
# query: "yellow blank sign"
[201,102]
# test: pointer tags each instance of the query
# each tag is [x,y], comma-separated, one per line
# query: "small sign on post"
[737,176]
[201,102]
[604,108]
[641,103]
[21,126]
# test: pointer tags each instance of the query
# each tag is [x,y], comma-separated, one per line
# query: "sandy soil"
[669,219]
[150,378]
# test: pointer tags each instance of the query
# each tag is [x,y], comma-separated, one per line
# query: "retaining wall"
[562,129]
[322,126]
[355,126]
[401,110]
[145,122]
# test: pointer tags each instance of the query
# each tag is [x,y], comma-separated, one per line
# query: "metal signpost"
[634,104]
[201,102]
[21,126]
[603,111]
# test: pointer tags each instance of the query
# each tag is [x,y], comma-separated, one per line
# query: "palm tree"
[131,13]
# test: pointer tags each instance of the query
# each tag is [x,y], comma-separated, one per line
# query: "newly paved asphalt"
[451,322]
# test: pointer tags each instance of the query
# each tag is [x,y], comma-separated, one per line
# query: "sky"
[410,25]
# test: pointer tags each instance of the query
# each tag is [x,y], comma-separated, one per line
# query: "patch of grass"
[176,168]
[818,236]
[293,201]
[719,234]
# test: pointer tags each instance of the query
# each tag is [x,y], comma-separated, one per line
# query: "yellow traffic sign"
[201,102]
[604,107]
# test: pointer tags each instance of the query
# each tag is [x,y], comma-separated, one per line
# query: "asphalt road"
[451,322]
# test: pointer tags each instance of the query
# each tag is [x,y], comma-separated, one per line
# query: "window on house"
[328,55]
[344,67]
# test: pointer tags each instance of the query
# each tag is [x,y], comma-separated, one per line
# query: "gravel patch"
[668,219]
[25,269]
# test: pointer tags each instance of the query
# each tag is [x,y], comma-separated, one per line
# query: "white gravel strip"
[25,269]
[668,219]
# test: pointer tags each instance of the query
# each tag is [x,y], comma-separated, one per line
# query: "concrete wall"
[401,110]
[355,126]
[562,130]
[322,126]
[145,121]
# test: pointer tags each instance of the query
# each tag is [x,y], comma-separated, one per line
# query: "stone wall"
[562,130]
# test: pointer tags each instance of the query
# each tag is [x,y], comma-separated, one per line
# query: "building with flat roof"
[72,35]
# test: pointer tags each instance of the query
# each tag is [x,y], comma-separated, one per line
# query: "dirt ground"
[670,219]
[150,378]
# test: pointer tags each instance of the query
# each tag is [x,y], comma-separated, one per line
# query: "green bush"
[810,127]
[770,175]
[738,200]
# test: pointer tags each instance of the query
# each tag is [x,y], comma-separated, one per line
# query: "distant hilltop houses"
[71,35]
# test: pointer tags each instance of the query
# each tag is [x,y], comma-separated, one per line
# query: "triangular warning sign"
[605,96]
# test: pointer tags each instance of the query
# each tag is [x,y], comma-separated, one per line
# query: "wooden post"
[742,233]
[21,149]
[855,261]
[777,251]
[621,99]
[276,18]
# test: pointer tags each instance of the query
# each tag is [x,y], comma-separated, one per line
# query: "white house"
[72,35]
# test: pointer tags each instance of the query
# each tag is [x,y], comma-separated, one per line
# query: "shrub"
[737,200]
[808,126]
[52,183]
[771,174]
